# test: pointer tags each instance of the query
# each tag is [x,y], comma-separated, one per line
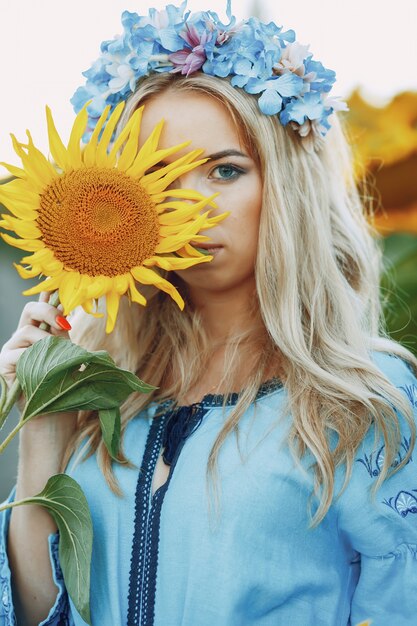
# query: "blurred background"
[45,45]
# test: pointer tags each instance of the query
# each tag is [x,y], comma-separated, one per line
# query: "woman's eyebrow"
[215,156]
[226,153]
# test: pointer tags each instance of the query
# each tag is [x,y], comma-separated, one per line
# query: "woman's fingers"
[13,358]
[25,336]
[36,312]
[29,332]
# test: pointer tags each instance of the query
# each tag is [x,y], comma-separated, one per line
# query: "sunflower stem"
[7,405]
[54,300]
[3,392]
[11,435]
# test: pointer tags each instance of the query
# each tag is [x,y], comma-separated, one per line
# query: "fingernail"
[63,322]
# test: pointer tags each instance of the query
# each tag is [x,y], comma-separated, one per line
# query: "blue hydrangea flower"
[274,90]
[244,70]
[324,78]
[310,106]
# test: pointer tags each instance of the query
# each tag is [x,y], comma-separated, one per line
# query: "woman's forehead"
[191,117]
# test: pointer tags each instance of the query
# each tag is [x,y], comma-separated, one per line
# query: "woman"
[280,400]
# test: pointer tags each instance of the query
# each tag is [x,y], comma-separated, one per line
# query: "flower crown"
[259,58]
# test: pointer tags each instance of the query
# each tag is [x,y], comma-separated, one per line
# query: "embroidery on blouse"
[375,462]
[6,609]
[411,393]
[404,503]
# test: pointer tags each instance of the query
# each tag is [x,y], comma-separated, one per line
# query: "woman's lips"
[210,248]
[206,246]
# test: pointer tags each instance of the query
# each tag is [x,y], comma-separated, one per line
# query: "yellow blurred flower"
[382,135]
[101,218]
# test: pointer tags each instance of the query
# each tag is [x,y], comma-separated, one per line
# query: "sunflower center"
[98,221]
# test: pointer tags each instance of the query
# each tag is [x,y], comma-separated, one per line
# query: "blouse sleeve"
[60,613]
[382,533]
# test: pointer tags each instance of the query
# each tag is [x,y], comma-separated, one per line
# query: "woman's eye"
[226,172]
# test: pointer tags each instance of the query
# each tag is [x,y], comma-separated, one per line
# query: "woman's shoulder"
[396,368]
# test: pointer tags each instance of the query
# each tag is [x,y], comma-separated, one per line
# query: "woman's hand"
[28,333]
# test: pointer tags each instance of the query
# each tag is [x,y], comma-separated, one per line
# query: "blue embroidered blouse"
[161,560]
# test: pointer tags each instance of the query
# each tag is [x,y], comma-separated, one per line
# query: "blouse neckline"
[218,399]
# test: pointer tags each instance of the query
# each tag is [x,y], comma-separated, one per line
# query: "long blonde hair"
[317,272]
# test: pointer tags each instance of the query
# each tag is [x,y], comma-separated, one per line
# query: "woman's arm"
[41,448]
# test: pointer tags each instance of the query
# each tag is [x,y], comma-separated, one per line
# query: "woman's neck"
[227,314]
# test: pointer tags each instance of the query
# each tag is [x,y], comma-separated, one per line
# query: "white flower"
[292,59]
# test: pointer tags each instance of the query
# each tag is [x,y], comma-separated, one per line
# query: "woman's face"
[230,171]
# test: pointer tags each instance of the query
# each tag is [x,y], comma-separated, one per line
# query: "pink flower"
[190,59]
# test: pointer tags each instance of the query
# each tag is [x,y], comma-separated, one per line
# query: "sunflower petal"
[124,134]
[89,152]
[41,256]
[147,276]
[50,284]
[130,149]
[175,263]
[182,211]
[77,131]
[102,148]
[38,170]
[213,221]
[22,228]
[173,243]
[134,294]
[151,143]
[186,194]
[68,290]
[112,305]
[19,190]
[53,267]
[88,308]
[162,184]
[140,165]
[19,209]
[30,245]
[25,273]
[14,171]
[188,251]
[121,283]
[57,148]
[167,169]
[99,286]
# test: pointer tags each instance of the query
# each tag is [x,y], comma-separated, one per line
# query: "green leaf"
[66,502]
[52,376]
[53,380]
[110,428]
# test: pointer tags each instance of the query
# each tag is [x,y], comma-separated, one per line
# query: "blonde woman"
[270,477]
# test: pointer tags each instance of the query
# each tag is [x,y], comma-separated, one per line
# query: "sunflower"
[101,219]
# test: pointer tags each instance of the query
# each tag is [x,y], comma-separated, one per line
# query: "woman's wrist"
[42,444]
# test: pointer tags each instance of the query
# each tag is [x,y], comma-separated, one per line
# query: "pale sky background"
[46,44]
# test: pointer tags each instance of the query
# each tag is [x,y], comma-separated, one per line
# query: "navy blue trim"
[142,503]
[145,546]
